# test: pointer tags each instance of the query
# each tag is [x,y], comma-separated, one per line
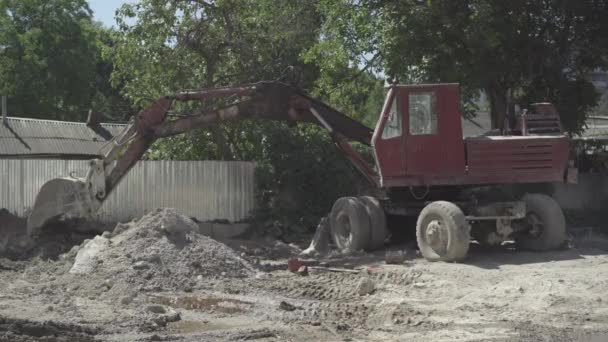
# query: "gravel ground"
[159,280]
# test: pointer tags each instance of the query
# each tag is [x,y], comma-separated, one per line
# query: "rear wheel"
[442,232]
[377,219]
[349,225]
[545,224]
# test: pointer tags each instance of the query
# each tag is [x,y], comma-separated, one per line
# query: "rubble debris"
[160,251]
[395,257]
[140,265]
[156,308]
[89,255]
[320,241]
[126,300]
[365,286]
[167,317]
[333,269]
[286,306]
[13,329]
[303,270]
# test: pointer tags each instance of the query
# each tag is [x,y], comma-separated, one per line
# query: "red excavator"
[457,188]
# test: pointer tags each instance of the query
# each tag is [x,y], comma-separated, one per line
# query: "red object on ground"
[294,264]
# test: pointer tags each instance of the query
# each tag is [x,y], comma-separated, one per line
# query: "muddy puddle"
[204,303]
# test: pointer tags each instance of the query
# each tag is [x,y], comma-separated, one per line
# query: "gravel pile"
[162,251]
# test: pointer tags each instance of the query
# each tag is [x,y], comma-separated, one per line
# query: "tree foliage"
[168,46]
[516,51]
[50,59]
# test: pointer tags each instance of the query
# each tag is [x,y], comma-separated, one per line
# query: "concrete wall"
[207,190]
[591,193]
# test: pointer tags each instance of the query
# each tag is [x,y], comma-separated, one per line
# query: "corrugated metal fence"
[207,190]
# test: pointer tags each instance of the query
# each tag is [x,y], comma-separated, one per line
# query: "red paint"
[358,161]
[437,154]
[445,158]
[390,156]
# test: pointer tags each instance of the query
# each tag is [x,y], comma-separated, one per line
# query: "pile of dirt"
[16,330]
[162,251]
[56,238]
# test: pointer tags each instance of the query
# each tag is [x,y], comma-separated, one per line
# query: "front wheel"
[442,232]
[349,225]
[377,220]
[545,224]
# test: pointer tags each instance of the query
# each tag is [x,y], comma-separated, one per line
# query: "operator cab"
[418,141]
[419,132]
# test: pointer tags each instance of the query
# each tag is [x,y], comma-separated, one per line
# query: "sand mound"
[161,251]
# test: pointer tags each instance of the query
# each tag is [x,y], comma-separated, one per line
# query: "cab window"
[423,113]
[392,128]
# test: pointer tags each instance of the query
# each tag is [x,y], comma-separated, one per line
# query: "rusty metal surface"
[545,155]
[266,100]
[207,190]
[33,137]
[424,156]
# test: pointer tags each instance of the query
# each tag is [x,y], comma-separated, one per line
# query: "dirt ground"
[241,290]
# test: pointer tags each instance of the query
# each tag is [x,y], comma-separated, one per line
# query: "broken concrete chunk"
[88,256]
[365,286]
[286,306]
[141,265]
[320,242]
[126,300]
[394,257]
[156,308]
[303,271]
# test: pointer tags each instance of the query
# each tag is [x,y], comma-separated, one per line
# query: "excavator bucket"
[59,198]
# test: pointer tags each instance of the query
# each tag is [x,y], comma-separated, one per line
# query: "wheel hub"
[535,224]
[436,237]
[344,227]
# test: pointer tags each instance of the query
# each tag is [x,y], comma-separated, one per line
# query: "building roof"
[596,128]
[47,138]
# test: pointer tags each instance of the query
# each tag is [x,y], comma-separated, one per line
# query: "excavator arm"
[71,198]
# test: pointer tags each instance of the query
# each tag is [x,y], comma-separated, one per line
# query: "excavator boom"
[71,198]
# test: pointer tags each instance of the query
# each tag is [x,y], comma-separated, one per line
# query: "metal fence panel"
[207,190]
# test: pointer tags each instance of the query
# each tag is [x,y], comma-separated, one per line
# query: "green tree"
[49,58]
[168,46]
[176,45]
[516,51]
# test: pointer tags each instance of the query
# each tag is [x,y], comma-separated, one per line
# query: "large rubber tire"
[442,232]
[377,220]
[349,225]
[553,232]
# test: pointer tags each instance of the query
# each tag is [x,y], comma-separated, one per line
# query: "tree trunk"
[498,106]
[223,148]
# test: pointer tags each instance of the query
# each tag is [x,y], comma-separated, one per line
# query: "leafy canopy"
[50,59]
[516,51]
[167,46]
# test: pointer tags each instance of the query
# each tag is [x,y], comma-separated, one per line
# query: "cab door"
[433,131]
[388,136]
